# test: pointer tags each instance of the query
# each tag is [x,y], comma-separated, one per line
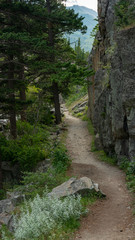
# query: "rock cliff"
[112,88]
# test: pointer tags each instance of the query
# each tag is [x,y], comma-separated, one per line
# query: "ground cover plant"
[30,147]
[40,217]
[129,168]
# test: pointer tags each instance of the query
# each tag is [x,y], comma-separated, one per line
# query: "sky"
[86,3]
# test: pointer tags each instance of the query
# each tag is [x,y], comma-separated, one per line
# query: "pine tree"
[61,20]
[21,35]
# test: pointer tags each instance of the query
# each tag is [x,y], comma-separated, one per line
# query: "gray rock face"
[7,207]
[112,93]
[81,186]
[11,172]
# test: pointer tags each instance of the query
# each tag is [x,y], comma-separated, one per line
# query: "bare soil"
[109,219]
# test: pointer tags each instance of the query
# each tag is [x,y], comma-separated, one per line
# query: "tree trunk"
[56,103]
[52,59]
[1,184]
[23,99]
[22,89]
[12,105]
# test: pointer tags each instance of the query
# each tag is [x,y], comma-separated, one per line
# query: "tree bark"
[1,184]
[23,99]
[56,103]
[12,105]
[52,59]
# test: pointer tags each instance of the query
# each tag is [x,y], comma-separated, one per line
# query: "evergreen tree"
[61,20]
[21,35]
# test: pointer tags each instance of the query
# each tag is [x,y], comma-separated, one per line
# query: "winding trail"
[109,219]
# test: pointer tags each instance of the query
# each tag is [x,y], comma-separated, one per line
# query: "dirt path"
[109,219]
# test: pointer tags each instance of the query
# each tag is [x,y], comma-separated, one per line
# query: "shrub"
[34,182]
[30,147]
[125,12]
[42,215]
[129,168]
[60,158]
[24,128]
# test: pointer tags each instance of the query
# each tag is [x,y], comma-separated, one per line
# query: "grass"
[76,95]
[105,158]
[129,169]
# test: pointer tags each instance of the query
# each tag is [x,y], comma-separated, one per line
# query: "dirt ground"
[111,218]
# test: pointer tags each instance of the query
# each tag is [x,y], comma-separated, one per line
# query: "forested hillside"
[89,20]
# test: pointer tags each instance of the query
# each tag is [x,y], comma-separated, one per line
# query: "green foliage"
[90,127]
[94,31]
[125,12]
[30,147]
[76,92]
[124,163]
[93,147]
[129,168]
[60,159]
[2,194]
[79,115]
[106,158]
[39,218]
[81,55]
[89,198]
[100,154]
[34,183]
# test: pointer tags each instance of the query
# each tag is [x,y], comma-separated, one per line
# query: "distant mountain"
[89,16]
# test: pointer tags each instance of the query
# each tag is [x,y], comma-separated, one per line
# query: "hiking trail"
[110,218]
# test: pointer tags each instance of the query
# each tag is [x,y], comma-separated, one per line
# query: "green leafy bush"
[61,160]
[129,168]
[124,163]
[125,12]
[30,147]
[34,183]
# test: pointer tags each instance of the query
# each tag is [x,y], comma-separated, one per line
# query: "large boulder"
[81,186]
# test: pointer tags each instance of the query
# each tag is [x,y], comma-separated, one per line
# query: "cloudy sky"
[87,3]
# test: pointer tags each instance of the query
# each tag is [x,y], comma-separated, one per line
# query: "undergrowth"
[129,168]
[125,12]
[31,146]
[40,218]
[77,92]
[34,183]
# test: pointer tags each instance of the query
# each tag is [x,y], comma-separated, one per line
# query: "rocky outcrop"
[112,89]
[7,207]
[11,173]
[82,186]
[81,106]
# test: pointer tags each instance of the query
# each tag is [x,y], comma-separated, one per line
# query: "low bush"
[40,217]
[129,168]
[34,183]
[30,147]
[60,159]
